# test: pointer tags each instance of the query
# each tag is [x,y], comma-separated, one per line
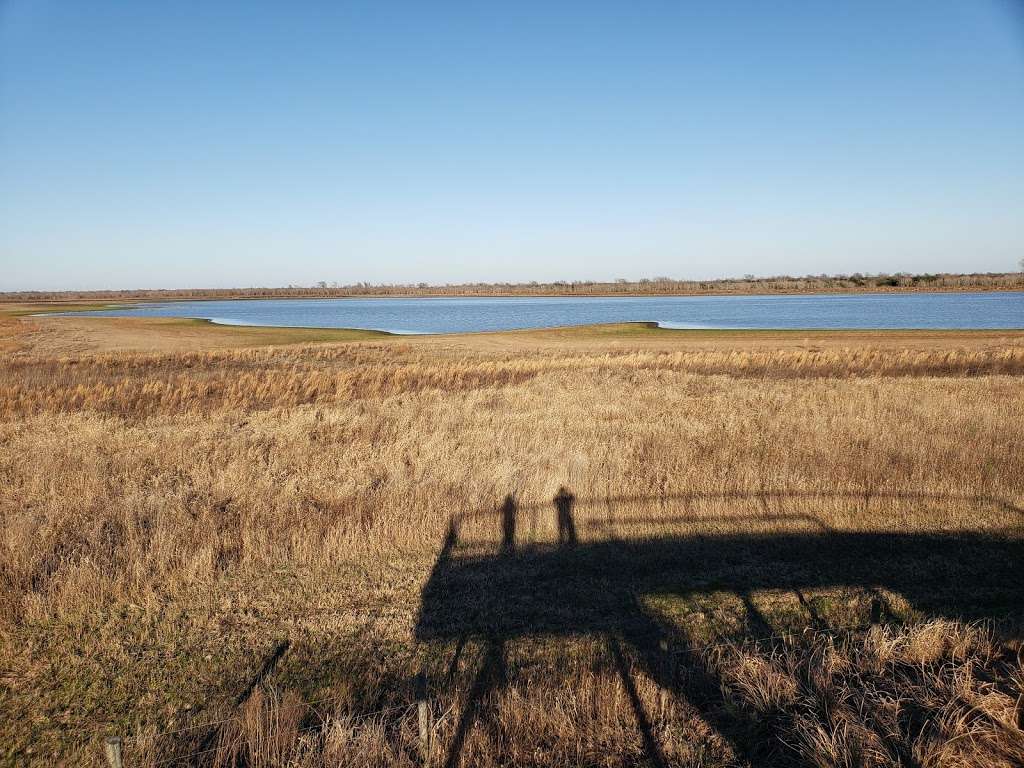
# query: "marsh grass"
[134,385]
[169,520]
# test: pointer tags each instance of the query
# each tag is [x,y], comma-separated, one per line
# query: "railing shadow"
[596,589]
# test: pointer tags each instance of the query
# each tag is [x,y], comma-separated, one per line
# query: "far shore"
[664,287]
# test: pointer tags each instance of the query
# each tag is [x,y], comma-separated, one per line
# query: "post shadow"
[492,676]
[267,667]
[643,721]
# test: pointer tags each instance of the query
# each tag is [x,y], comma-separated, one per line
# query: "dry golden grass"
[143,385]
[284,536]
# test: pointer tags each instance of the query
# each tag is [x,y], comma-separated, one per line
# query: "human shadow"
[564,501]
[508,523]
[600,589]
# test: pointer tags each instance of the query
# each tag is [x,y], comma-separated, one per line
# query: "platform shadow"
[599,589]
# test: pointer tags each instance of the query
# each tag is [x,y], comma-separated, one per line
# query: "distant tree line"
[749,284]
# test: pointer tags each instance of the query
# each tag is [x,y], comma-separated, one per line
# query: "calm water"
[457,315]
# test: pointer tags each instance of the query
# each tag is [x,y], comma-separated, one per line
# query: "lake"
[995,310]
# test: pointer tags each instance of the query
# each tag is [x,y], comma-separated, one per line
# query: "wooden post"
[876,610]
[112,746]
[424,717]
[425,725]
[666,675]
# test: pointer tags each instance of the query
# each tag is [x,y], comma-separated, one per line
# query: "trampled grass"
[595,555]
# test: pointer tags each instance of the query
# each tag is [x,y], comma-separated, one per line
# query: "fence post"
[112,746]
[424,717]
[668,675]
[876,611]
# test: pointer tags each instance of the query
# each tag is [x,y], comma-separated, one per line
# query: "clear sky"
[167,144]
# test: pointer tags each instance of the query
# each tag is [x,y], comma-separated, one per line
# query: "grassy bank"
[252,552]
[26,326]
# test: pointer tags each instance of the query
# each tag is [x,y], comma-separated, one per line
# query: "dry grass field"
[599,547]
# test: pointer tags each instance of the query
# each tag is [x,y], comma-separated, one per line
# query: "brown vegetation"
[250,553]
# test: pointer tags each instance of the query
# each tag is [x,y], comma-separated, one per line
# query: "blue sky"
[220,144]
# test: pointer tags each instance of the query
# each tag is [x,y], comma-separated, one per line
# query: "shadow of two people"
[563,501]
